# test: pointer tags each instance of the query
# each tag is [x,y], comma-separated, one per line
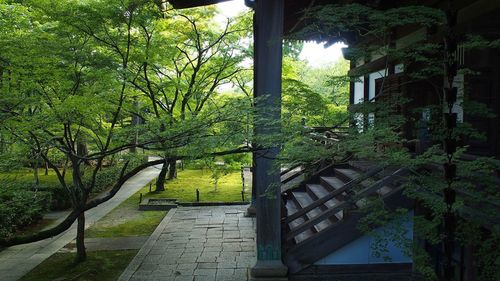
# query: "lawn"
[126,220]
[100,265]
[184,187]
[26,176]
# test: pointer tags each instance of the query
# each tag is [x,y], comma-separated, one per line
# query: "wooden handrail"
[287,179]
[333,194]
[332,211]
[289,169]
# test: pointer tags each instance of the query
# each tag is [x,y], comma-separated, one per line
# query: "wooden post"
[268,24]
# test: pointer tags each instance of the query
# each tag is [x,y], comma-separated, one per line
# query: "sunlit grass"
[26,176]
[184,187]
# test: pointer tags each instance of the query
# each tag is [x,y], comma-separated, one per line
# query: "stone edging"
[201,204]
[146,248]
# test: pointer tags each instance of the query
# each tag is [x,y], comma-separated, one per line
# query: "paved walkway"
[16,261]
[197,243]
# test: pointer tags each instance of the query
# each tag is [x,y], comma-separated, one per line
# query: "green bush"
[22,203]
[59,199]
[107,176]
[19,208]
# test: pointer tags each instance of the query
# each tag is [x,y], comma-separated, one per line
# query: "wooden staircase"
[322,212]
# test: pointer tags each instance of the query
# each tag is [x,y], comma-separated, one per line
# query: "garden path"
[197,243]
[16,261]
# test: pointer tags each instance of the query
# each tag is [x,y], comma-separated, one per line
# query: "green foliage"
[20,207]
[22,181]
[218,171]
[236,161]
[381,128]
[109,175]
[311,97]
[292,48]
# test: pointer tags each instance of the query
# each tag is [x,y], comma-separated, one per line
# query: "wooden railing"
[333,194]
[293,176]
[328,135]
[345,204]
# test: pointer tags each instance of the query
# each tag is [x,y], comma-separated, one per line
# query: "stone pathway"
[16,261]
[197,243]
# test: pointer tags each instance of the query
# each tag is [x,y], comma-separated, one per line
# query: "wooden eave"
[293,11]
[183,4]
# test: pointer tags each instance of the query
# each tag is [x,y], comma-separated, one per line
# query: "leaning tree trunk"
[160,181]
[81,253]
[172,169]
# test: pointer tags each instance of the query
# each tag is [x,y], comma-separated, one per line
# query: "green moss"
[26,176]
[100,265]
[184,187]
[140,223]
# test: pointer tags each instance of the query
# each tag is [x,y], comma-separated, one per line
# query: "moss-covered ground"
[100,265]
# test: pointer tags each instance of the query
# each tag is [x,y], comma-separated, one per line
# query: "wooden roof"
[182,4]
[294,12]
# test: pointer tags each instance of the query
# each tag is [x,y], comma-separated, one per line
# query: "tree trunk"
[46,168]
[81,253]
[135,122]
[82,150]
[172,169]
[35,172]
[160,181]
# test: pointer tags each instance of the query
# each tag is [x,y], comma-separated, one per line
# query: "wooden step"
[318,191]
[303,199]
[291,208]
[362,165]
[347,174]
[332,183]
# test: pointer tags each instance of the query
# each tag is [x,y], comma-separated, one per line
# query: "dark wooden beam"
[182,4]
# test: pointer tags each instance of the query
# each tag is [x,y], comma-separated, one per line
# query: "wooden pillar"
[268,22]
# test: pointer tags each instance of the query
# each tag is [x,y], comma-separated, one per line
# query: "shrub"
[59,199]
[19,208]
[22,203]
[109,175]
